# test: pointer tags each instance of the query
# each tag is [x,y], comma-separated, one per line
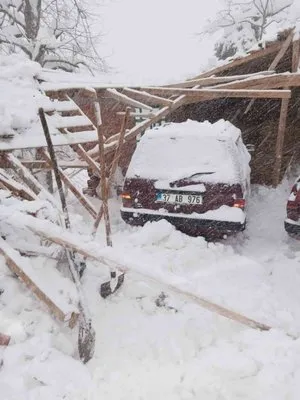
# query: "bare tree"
[245,22]
[54,33]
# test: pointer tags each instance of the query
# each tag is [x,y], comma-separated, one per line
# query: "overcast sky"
[154,40]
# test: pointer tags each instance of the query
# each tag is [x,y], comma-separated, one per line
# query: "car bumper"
[292,228]
[190,226]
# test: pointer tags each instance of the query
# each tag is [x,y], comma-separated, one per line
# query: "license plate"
[174,198]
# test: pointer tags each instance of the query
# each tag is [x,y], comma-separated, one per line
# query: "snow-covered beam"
[122,98]
[208,94]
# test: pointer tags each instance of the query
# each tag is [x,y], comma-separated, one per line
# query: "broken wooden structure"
[258,93]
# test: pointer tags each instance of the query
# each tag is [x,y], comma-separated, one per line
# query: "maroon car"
[292,222]
[195,175]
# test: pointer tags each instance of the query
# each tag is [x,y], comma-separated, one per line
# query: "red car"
[195,175]
[292,222]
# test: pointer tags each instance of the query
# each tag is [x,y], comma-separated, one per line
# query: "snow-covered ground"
[154,344]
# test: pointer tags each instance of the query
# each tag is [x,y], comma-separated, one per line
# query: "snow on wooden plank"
[217,79]
[61,106]
[35,139]
[241,60]
[81,198]
[207,94]
[47,284]
[89,249]
[150,98]
[17,188]
[127,100]
[58,121]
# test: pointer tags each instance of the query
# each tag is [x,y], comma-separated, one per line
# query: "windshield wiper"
[190,179]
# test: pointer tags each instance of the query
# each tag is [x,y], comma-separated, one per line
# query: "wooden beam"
[137,114]
[208,94]
[112,142]
[214,80]
[29,179]
[264,82]
[85,249]
[91,163]
[114,167]
[127,100]
[280,141]
[51,297]
[16,188]
[40,164]
[80,197]
[296,55]
[282,51]
[273,65]
[147,97]
[241,61]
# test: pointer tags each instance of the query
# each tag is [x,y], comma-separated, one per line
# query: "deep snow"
[149,346]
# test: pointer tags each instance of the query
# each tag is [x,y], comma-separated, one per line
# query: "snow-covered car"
[292,221]
[195,175]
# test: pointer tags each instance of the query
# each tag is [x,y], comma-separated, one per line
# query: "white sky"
[154,40]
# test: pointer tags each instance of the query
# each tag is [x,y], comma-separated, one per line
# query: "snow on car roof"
[179,150]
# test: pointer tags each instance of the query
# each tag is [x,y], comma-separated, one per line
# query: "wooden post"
[280,141]
[296,55]
[104,193]
[81,198]
[57,304]
[114,165]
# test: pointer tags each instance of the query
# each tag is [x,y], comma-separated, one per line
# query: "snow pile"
[20,97]
[176,151]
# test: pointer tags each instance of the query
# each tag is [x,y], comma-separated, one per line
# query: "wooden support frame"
[296,55]
[80,197]
[22,268]
[280,141]
[17,188]
[275,62]
[127,100]
[241,61]
[114,166]
[147,97]
[89,160]
[209,94]
[214,80]
[56,235]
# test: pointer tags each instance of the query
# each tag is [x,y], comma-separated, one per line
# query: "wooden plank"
[40,164]
[208,94]
[241,61]
[214,80]
[273,65]
[137,94]
[72,242]
[296,55]
[17,188]
[280,141]
[111,142]
[29,179]
[114,167]
[267,82]
[95,167]
[137,114]
[127,100]
[57,305]
[103,183]
[282,51]
[81,198]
